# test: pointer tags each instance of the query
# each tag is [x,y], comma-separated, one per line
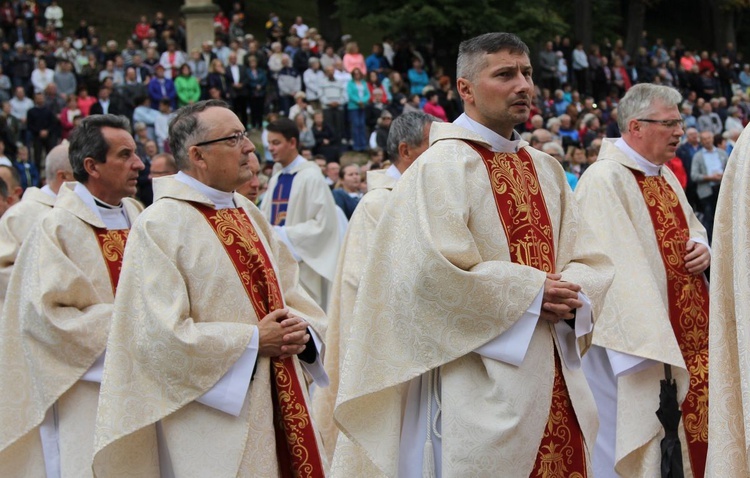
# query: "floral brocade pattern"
[688,309]
[524,216]
[112,243]
[296,447]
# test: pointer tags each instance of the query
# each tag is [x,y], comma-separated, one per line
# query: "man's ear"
[92,167]
[465,90]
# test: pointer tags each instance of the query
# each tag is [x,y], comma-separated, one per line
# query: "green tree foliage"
[454,20]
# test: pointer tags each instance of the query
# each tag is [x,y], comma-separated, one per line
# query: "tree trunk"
[329,22]
[723,26]
[582,22]
[636,22]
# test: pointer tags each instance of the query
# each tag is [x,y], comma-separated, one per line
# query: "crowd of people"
[489,280]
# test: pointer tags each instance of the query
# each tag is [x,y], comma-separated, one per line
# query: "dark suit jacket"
[244,79]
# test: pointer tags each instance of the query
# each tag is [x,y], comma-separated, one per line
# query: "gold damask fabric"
[351,264]
[15,225]
[635,316]
[729,336]
[312,227]
[182,318]
[54,326]
[439,285]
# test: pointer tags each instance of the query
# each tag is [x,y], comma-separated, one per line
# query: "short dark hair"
[286,128]
[87,141]
[185,129]
[469,51]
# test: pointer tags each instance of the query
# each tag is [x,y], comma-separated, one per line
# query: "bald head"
[58,168]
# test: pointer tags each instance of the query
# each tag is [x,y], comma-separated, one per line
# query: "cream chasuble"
[15,225]
[729,339]
[439,286]
[53,330]
[311,228]
[634,326]
[181,321]
[351,264]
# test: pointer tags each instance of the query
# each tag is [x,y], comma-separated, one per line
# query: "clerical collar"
[497,143]
[221,199]
[113,217]
[298,161]
[393,172]
[647,166]
[48,190]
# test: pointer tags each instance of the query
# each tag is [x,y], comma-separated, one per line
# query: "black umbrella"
[669,415]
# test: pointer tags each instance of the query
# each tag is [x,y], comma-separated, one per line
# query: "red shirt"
[675,164]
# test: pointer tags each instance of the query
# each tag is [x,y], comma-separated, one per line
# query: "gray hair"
[640,99]
[87,141]
[407,128]
[470,52]
[553,148]
[185,130]
[57,160]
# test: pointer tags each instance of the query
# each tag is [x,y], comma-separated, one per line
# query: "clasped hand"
[698,257]
[282,334]
[560,299]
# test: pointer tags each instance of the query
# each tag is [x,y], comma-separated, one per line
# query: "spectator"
[548,67]
[5,86]
[68,115]
[332,174]
[186,86]
[348,195]
[733,121]
[299,27]
[581,69]
[709,121]
[161,124]
[9,175]
[306,135]
[85,102]
[313,78]
[382,130]
[301,107]
[238,91]
[28,173]
[257,82]
[41,76]
[354,59]
[332,99]
[329,57]
[377,62]
[217,78]
[21,65]
[301,58]
[65,79]
[54,15]
[325,138]
[4,160]
[359,96]
[432,107]
[104,103]
[706,171]
[289,83]
[418,78]
[160,88]
[42,125]
[7,19]
[198,66]
[172,60]
[20,104]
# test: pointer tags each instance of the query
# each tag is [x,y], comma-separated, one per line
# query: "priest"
[211,329]
[58,308]
[300,207]
[655,316]
[463,357]
[408,137]
[18,221]
[729,338]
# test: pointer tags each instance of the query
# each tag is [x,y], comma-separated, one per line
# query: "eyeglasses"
[669,123]
[232,140]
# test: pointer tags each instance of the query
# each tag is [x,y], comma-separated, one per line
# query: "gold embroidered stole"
[296,448]
[527,225]
[688,309]
[112,244]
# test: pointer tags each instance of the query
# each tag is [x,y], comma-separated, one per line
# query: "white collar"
[393,172]
[221,199]
[298,161]
[647,166]
[49,191]
[497,143]
[113,217]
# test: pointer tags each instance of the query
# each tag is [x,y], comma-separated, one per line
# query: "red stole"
[527,225]
[112,243]
[296,448]
[688,309]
